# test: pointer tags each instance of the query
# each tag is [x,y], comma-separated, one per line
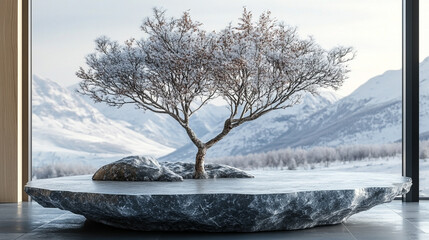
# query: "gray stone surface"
[273,200]
[145,168]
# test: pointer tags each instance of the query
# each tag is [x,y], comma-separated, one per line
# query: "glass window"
[356,128]
[424,99]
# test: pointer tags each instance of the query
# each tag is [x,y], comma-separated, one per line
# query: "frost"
[177,68]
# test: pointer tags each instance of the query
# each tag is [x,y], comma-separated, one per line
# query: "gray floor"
[390,221]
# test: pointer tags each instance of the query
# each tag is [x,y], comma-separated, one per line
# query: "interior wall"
[13,101]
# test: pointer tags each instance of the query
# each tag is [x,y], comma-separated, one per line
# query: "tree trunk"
[200,172]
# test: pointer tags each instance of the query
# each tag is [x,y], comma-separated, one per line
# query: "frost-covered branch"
[256,67]
[264,66]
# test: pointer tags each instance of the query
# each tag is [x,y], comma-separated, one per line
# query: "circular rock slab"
[273,200]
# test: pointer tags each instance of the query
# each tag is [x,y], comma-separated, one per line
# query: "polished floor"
[390,221]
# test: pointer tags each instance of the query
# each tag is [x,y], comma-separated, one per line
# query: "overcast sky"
[64,30]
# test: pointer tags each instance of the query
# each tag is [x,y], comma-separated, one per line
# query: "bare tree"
[256,67]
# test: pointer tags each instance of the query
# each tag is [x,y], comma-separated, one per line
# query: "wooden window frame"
[15,168]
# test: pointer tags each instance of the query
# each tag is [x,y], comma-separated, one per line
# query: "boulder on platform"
[146,168]
[213,170]
[136,168]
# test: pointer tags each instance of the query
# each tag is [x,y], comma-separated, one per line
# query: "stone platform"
[273,200]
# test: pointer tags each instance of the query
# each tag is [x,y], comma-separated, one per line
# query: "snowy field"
[390,165]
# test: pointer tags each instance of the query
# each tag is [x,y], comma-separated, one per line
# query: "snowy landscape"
[74,135]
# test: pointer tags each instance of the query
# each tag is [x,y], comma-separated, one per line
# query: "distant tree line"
[62,169]
[288,158]
[292,158]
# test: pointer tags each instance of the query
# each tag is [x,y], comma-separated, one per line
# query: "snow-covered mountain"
[65,127]
[208,121]
[68,126]
[253,135]
[160,128]
[371,114]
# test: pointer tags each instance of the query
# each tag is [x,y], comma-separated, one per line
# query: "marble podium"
[273,200]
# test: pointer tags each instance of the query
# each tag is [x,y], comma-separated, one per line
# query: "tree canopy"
[177,67]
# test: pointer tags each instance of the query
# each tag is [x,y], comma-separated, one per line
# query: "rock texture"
[213,170]
[145,168]
[136,168]
[273,200]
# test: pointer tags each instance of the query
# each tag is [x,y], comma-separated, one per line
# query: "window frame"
[410,95]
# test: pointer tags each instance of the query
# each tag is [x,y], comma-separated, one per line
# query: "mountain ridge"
[371,114]
[64,125]
[67,124]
